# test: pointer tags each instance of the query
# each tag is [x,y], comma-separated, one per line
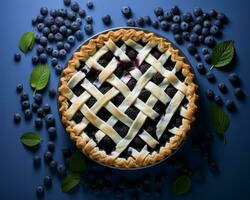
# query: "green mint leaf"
[26,42]
[39,77]
[30,139]
[70,181]
[219,119]
[181,185]
[223,54]
[77,162]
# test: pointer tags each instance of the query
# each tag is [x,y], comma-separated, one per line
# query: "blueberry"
[206,24]
[218,23]
[39,49]
[25,105]
[222,87]
[51,37]
[69,32]
[51,146]
[89,19]
[33,21]
[59,21]
[27,114]
[205,51]
[43,41]
[168,15]
[206,16]
[205,31]
[88,29]
[46,108]
[234,79]
[230,105]
[50,120]
[40,27]
[79,20]
[38,98]
[178,38]
[130,22]
[79,36]
[82,13]
[67,23]
[40,112]
[185,35]
[48,21]
[62,12]
[54,29]
[24,96]
[197,57]
[193,38]
[201,38]
[155,24]
[175,10]
[37,38]
[210,94]
[35,59]
[52,133]
[176,19]
[207,58]
[164,25]
[71,15]
[67,46]
[52,92]
[238,92]
[67,2]
[61,170]
[184,26]
[39,18]
[210,76]
[19,87]
[209,41]
[187,17]
[47,181]
[53,12]
[66,152]
[175,28]
[75,26]
[58,69]
[48,156]
[59,45]
[126,11]
[191,48]
[147,20]
[17,118]
[36,161]
[38,123]
[54,61]
[218,100]
[55,53]
[44,11]
[158,11]
[34,106]
[222,17]
[62,53]
[199,20]
[63,30]
[214,30]
[53,165]
[40,191]
[43,58]
[71,40]
[212,13]
[106,19]
[201,68]
[49,50]
[197,28]
[197,12]
[90,4]
[17,57]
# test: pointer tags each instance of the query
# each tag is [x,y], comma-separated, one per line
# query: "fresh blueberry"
[46,31]
[58,69]
[19,87]
[36,161]
[50,120]
[155,24]
[39,18]
[46,109]
[185,35]
[58,37]
[43,58]
[222,17]
[197,57]
[49,50]
[67,46]
[176,19]
[55,53]
[164,25]
[206,16]
[40,27]
[67,2]
[184,26]
[197,12]
[48,21]
[61,170]
[201,38]
[27,114]
[82,13]
[35,59]
[212,13]
[178,38]
[158,11]
[44,11]
[75,26]
[40,191]
[106,19]
[48,156]
[89,19]
[51,37]
[201,68]
[147,20]
[71,15]
[187,17]
[38,123]
[205,31]
[79,36]
[199,20]
[238,92]
[63,30]
[210,77]
[34,106]
[126,11]
[52,93]
[67,23]
[37,38]
[205,51]
[207,58]
[25,105]
[59,21]
[222,87]
[24,96]
[197,28]
[53,165]
[54,29]
[74,6]
[62,53]
[52,133]
[71,40]
[54,61]
[69,32]
[88,29]
[214,30]
[218,23]
[193,38]
[209,41]
[206,24]
[59,45]
[17,57]
[43,41]
[33,21]
[90,4]
[160,18]
[79,20]
[40,112]
[210,94]
[17,118]
[234,79]
[168,15]
[47,181]
[175,10]
[230,105]
[51,146]
[218,100]
[39,49]
[53,12]
[175,28]
[191,48]
[62,12]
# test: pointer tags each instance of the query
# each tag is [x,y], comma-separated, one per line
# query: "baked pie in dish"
[127,98]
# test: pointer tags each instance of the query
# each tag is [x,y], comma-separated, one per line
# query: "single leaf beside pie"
[30,139]
[77,162]
[181,185]
[39,77]
[26,42]
[70,181]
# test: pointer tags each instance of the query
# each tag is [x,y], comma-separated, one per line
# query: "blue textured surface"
[19,178]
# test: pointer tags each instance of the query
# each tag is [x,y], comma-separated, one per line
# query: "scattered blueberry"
[210,94]
[52,92]
[175,28]
[35,59]
[38,123]
[212,13]
[201,38]
[70,15]
[214,30]
[62,53]
[193,38]
[63,30]
[184,26]
[74,6]
[198,12]
[49,50]
[238,92]
[54,29]
[46,31]
[147,20]
[46,108]
[205,51]
[43,58]
[53,12]
[207,58]
[52,133]
[34,106]
[40,191]
[209,41]
[187,17]
[218,100]
[33,21]
[176,19]
[40,27]
[24,96]
[39,18]
[67,2]
[82,13]
[58,37]
[19,87]
[17,118]
[27,114]
[67,46]
[59,45]
[51,146]
[126,11]
[47,181]
[39,49]
[25,105]
[234,79]
[90,4]
[178,38]
[37,38]
[74,26]
[17,57]
[201,68]
[48,21]
[230,105]
[44,11]
[36,161]
[53,165]
[88,29]
[50,120]
[164,25]
[78,35]
[40,112]
[210,76]
[155,24]
[206,24]
[48,156]
[218,23]
[168,15]
[197,57]
[222,17]
[191,48]
[175,10]
[106,19]
[89,19]
[55,53]
[185,35]
[158,11]
[205,31]
[222,87]
[61,170]
[43,41]
[58,69]
[197,29]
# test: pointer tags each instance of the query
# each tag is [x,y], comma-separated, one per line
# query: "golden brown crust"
[88,147]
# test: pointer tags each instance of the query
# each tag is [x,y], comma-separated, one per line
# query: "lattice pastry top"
[127,98]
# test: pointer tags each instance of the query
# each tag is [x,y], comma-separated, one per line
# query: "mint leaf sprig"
[39,77]
[26,42]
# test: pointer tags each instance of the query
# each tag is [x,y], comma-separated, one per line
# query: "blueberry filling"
[104,114]
[78,117]
[169,64]
[78,89]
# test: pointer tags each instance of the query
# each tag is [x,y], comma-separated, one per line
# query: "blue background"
[18,177]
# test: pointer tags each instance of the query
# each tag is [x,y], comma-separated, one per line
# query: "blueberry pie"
[127,98]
